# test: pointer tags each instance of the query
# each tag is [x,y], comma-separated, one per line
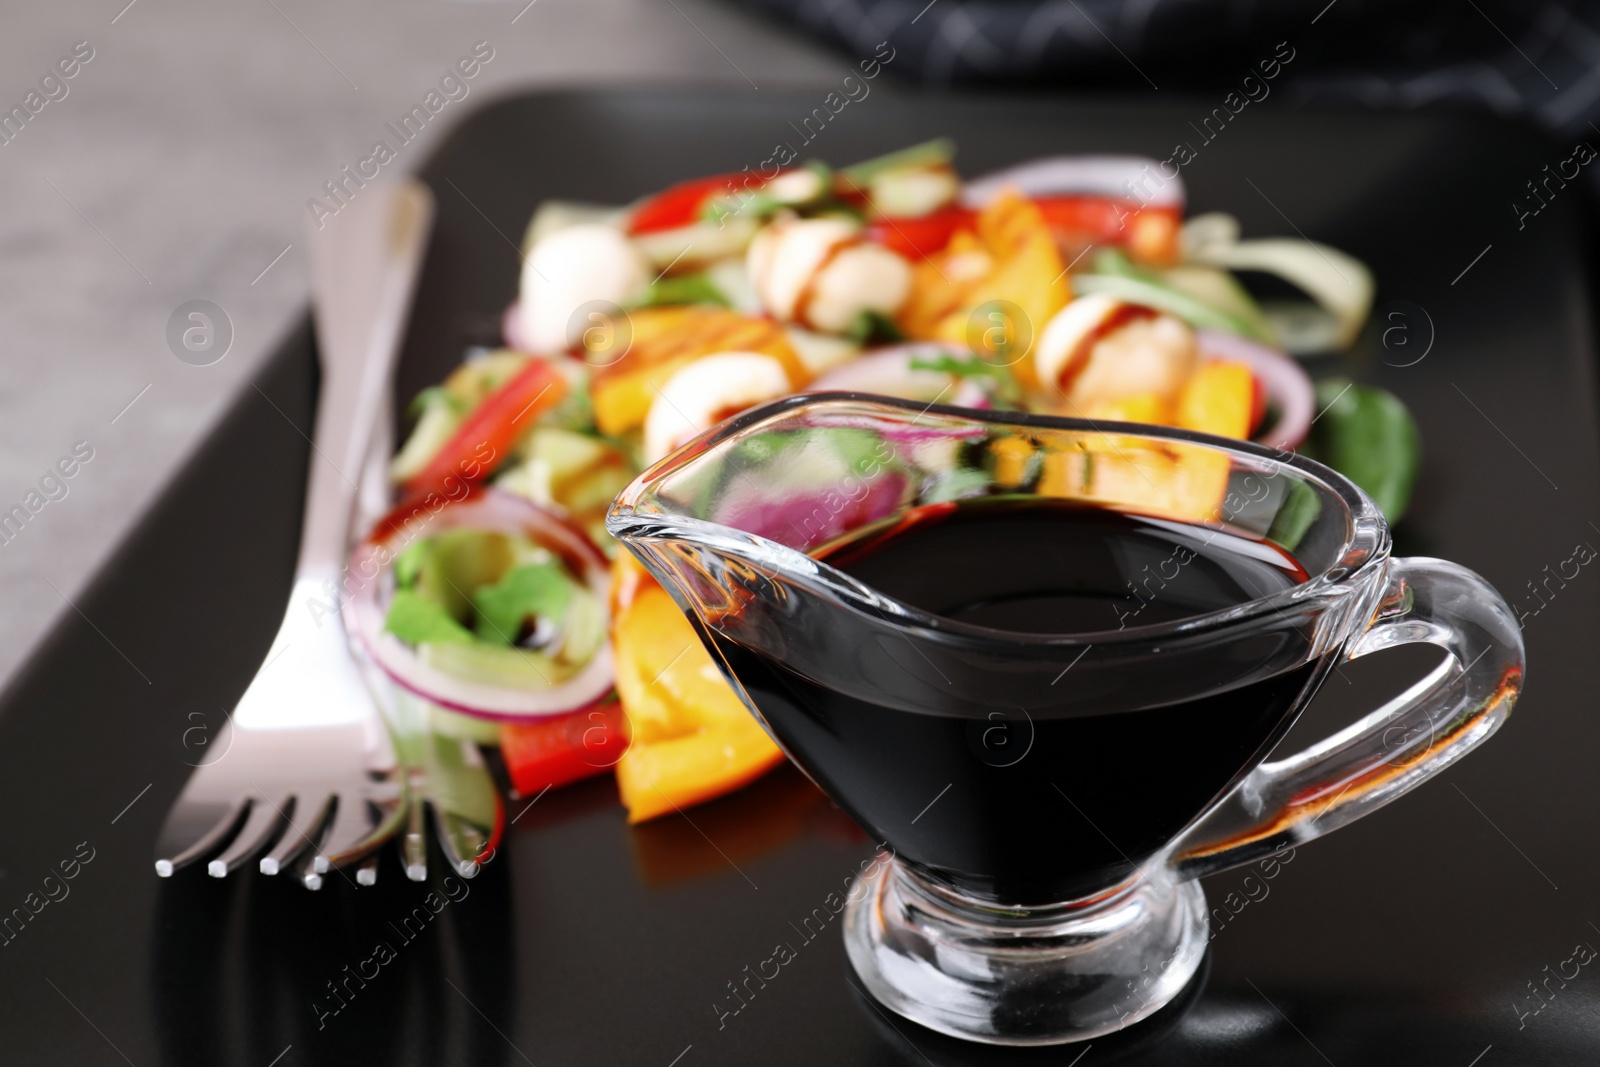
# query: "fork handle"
[364,264]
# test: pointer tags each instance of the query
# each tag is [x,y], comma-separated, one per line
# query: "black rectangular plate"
[1425,934]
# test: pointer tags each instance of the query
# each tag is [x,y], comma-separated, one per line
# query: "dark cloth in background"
[1534,58]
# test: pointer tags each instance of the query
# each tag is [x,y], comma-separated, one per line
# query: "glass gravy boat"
[1046,801]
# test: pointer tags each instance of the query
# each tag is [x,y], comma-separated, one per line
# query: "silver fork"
[308,765]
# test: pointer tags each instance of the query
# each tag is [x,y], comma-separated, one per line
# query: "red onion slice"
[805,518]
[483,509]
[1287,385]
[1135,178]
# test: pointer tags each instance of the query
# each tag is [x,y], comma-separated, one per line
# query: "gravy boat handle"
[1392,750]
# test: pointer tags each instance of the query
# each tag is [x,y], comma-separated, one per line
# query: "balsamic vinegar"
[1076,802]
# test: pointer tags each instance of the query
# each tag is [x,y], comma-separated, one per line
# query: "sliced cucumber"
[481,374]
[1163,298]
[732,279]
[1221,290]
[514,668]
[438,421]
[584,628]
[821,352]
[459,561]
[464,727]
[566,452]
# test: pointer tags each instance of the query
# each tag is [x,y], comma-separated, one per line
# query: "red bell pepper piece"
[1098,220]
[564,748]
[922,237]
[682,204]
[1077,220]
[486,435]
[1150,233]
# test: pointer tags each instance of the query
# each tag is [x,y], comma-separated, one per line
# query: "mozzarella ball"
[1154,354]
[864,277]
[1093,350]
[1066,337]
[707,391]
[572,267]
[785,256]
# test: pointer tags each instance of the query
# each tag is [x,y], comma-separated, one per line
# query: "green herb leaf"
[526,592]
[1002,383]
[871,328]
[416,620]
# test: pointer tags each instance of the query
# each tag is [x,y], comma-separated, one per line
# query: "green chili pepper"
[1367,435]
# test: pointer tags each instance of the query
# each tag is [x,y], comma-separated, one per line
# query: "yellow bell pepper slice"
[662,341]
[1028,274]
[666,776]
[693,738]
[1219,398]
[1148,408]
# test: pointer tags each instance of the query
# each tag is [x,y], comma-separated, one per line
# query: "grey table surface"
[178,166]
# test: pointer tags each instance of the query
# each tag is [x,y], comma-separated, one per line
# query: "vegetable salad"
[1072,285]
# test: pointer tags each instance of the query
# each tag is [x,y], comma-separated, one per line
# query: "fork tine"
[461,839]
[359,826]
[310,868]
[266,815]
[414,848]
[194,829]
[300,835]
[467,812]
[351,822]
